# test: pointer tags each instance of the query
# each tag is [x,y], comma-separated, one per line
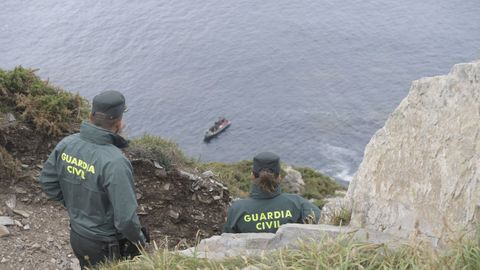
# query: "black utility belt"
[95,238]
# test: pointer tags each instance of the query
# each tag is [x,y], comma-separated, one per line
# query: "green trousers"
[92,252]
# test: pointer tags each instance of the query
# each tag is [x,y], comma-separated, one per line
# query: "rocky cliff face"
[420,175]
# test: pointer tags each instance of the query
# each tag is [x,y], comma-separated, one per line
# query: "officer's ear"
[118,126]
[90,116]
[253,176]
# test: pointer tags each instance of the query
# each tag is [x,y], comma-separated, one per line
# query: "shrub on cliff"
[50,109]
[318,186]
[165,152]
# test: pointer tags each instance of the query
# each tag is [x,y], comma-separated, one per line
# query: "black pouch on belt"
[114,250]
[128,249]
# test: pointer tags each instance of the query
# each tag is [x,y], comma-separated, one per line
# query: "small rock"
[18,223]
[208,174]
[161,173]
[198,215]
[138,196]
[10,117]
[20,190]
[166,186]
[52,260]
[25,166]
[173,214]
[157,165]
[216,198]
[6,221]
[3,260]
[40,167]
[141,210]
[188,175]
[26,227]
[36,246]
[4,231]
[21,213]
[11,202]
[206,200]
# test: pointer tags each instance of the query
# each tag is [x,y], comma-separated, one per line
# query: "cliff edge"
[420,175]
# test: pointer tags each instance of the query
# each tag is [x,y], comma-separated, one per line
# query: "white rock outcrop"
[219,247]
[420,175]
[293,181]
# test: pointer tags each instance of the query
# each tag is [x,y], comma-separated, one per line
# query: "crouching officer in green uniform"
[268,208]
[88,173]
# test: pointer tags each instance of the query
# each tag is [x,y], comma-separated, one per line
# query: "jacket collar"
[98,135]
[257,193]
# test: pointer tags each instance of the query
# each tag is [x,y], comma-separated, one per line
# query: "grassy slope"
[328,254]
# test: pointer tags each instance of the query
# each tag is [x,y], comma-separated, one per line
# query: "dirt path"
[39,241]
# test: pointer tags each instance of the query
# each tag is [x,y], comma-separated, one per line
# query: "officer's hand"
[310,219]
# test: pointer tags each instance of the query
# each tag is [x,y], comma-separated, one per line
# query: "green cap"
[266,160]
[110,103]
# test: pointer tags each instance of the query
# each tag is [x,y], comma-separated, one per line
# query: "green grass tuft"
[341,217]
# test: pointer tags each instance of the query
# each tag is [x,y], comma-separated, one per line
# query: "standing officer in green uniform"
[268,208]
[88,173]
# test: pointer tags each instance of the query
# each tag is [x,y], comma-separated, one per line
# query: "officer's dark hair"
[267,180]
[101,120]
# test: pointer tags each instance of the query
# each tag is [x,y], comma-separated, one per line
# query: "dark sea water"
[310,80]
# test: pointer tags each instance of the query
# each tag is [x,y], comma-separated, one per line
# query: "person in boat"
[219,122]
[267,207]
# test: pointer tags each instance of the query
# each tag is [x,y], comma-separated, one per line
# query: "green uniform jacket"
[265,212]
[89,174]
